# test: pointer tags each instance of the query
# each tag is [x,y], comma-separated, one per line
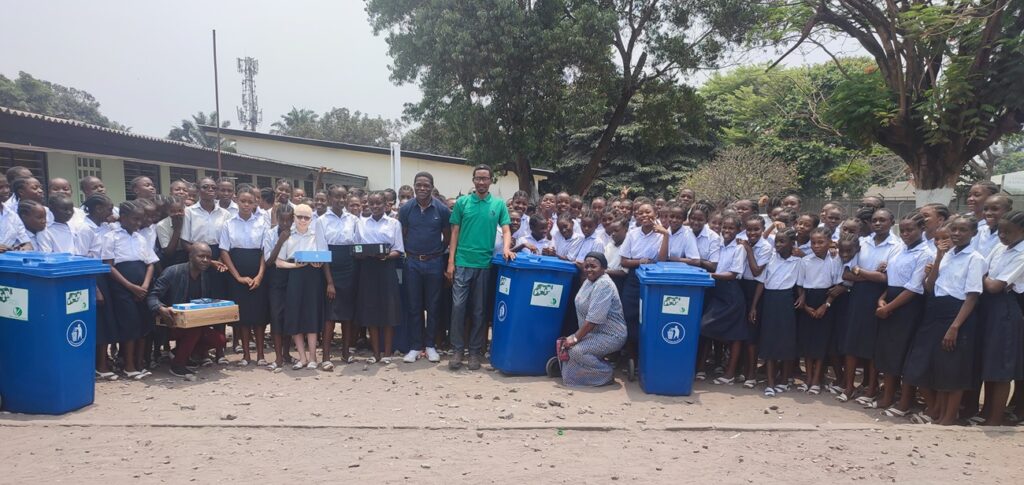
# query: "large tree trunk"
[524,171]
[593,167]
[935,175]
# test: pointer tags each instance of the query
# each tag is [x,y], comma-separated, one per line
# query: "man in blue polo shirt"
[426,232]
[475,219]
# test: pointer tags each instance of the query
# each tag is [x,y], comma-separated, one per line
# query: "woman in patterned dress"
[602,327]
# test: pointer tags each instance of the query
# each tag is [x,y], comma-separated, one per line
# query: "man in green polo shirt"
[475,219]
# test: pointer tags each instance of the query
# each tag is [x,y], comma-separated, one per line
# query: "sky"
[150,64]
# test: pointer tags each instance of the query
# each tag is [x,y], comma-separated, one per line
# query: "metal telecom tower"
[249,115]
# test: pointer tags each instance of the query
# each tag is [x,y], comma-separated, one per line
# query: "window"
[88,167]
[136,169]
[242,178]
[262,182]
[181,173]
[308,185]
[34,161]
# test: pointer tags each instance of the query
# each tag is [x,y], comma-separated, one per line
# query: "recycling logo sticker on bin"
[546,295]
[673,333]
[76,301]
[675,305]
[14,303]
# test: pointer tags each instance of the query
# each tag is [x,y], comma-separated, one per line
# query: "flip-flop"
[107,376]
[864,400]
[371,360]
[814,390]
[894,412]
[350,359]
[298,366]
[803,387]
[311,366]
[723,381]
[842,397]
[327,366]
[261,363]
[975,421]
[701,376]
[780,388]
[871,405]
[136,376]
[921,418]
[750,383]
[769,392]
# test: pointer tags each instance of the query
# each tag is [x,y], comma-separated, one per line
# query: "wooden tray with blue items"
[202,313]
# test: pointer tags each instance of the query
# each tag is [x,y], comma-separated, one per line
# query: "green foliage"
[339,124]
[27,93]
[741,173]
[189,131]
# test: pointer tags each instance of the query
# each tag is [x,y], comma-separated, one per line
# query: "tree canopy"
[27,93]
[339,124]
[189,131]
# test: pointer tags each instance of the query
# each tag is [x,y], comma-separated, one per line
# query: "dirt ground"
[420,421]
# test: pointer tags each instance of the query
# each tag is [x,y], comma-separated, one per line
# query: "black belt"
[423,257]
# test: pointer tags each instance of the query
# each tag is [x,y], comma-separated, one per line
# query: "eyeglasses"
[303,218]
[208,187]
[481,179]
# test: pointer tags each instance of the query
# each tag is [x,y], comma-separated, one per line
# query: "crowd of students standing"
[927,307]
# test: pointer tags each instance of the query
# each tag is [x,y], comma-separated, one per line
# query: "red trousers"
[200,339]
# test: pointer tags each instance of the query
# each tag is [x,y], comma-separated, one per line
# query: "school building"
[452,175]
[60,148]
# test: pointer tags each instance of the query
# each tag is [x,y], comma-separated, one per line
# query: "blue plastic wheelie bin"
[47,331]
[671,303]
[531,296]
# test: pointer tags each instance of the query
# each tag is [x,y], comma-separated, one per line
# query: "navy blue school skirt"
[631,310]
[304,306]
[277,294]
[344,273]
[840,317]
[1001,337]
[134,320]
[723,317]
[861,327]
[106,324]
[778,335]
[753,331]
[378,299]
[813,335]
[895,332]
[253,308]
[927,364]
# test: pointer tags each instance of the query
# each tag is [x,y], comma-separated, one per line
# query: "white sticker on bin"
[14,303]
[76,301]
[546,295]
[675,305]
[504,285]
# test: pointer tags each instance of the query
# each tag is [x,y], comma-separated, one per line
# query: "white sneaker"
[411,356]
[432,355]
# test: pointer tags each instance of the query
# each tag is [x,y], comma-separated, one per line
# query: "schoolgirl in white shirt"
[536,241]
[682,244]
[241,243]
[89,243]
[988,236]
[758,252]
[781,299]
[59,237]
[131,260]
[820,272]
[709,243]
[724,318]
[337,228]
[643,245]
[378,301]
[304,308]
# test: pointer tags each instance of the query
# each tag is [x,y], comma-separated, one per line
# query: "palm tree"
[190,132]
[297,122]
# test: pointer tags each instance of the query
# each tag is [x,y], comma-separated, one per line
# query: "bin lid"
[533,261]
[663,273]
[50,265]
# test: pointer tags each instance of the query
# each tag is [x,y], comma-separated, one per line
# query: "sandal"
[871,405]
[842,397]
[385,360]
[975,421]
[311,365]
[921,418]
[371,360]
[802,387]
[865,400]
[327,366]
[702,376]
[207,362]
[273,366]
[781,388]
[814,390]
[136,376]
[895,412]
[261,363]
[350,359]
[107,376]
[769,392]
[749,383]
[723,381]
[223,361]
[243,363]
[298,366]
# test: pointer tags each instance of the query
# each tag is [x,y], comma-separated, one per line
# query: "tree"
[339,124]
[948,79]
[741,173]
[664,135]
[493,72]
[297,122]
[654,41]
[190,132]
[27,93]
[785,114]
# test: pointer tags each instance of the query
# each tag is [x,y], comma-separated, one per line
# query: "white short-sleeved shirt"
[386,230]
[731,259]
[202,226]
[89,238]
[524,228]
[961,273]
[611,253]
[299,242]
[337,230]
[872,255]
[243,234]
[906,267]
[818,273]
[11,229]
[150,233]
[640,246]
[763,252]
[121,247]
[529,239]
[587,246]
[567,248]
[232,208]
[985,241]
[805,247]
[601,234]
[709,244]
[781,273]
[269,241]
[58,238]
[1006,264]
[683,244]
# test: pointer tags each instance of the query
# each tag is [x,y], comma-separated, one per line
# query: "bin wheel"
[553,368]
[631,371]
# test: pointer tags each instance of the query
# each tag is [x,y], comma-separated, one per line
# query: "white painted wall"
[450,179]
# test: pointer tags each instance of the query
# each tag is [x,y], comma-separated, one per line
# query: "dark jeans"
[423,281]
[469,288]
[200,339]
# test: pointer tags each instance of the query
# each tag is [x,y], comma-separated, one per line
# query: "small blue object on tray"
[201,304]
[312,256]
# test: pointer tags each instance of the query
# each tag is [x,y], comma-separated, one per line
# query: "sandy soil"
[420,421]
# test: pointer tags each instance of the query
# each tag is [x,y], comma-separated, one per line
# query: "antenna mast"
[249,115]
